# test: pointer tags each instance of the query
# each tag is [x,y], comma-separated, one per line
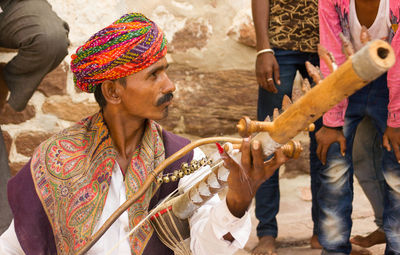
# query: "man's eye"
[154,74]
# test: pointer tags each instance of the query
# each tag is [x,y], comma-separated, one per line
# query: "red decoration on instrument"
[220,149]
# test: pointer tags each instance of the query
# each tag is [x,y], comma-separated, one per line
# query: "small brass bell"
[187,171]
[184,166]
[166,179]
[193,167]
[203,162]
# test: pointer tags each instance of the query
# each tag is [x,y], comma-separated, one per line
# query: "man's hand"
[267,69]
[325,137]
[392,137]
[244,179]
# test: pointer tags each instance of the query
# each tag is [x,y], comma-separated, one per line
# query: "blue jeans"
[335,194]
[267,196]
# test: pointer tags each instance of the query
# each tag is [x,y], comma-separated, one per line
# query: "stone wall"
[211,55]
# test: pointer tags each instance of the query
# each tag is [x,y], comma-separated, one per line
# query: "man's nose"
[168,86]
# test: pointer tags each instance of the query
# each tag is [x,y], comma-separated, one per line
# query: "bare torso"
[367,11]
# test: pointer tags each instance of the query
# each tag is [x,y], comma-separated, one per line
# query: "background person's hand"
[325,137]
[267,70]
[391,139]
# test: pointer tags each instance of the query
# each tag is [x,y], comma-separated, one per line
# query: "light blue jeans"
[335,195]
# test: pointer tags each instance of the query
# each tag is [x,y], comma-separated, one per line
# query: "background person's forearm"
[260,10]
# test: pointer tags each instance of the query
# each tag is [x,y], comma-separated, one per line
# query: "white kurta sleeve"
[212,221]
[9,244]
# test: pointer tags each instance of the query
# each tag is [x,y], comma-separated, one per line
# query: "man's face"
[148,93]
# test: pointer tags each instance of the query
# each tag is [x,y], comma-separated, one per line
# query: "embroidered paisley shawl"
[72,173]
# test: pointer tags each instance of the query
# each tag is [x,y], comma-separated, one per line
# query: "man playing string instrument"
[76,179]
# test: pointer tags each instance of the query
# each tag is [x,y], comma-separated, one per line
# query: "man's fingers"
[319,151]
[396,150]
[271,87]
[342,143]
[228,161]
[256,152]
[324,151]
[273,164]
[276,74]
[386,143]
[262,80]
[280,157]
[246,154]
[277,160]
[270,80]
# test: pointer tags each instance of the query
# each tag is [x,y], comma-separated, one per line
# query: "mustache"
[166,98]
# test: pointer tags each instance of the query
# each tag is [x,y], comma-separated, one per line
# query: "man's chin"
[163,115]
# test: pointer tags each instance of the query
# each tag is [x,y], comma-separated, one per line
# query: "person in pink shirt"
[379,100]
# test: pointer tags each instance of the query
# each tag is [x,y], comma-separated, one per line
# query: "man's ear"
[111,92]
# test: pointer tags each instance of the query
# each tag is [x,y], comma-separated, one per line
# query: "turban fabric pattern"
[129,45]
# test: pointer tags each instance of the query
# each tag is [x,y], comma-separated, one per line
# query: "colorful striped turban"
[130,44]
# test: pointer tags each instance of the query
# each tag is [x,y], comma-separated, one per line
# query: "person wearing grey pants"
[41,37]
[5,212]
[367,161]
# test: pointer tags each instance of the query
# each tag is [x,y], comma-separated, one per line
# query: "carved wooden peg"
[310,128]
[297,92]
[313,72]
[305,86]
[275,114]
[348,49]
[327,57]
[286,102]
[246,126]
[292,149]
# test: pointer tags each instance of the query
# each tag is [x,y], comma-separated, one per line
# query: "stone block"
[7,140]
[65,109]
[9,116]
[245,34]
[27,142]
[210,103]
[195,34]
[242,30]
[55,82]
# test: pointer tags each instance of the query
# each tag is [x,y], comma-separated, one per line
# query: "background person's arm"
[267,68]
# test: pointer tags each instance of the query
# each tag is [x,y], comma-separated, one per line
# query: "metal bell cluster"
[186,169]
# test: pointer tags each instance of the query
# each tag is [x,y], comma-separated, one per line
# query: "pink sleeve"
[393,76]
[329,30]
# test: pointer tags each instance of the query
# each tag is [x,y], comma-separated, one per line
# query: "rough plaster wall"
[221,51]
[88,16]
